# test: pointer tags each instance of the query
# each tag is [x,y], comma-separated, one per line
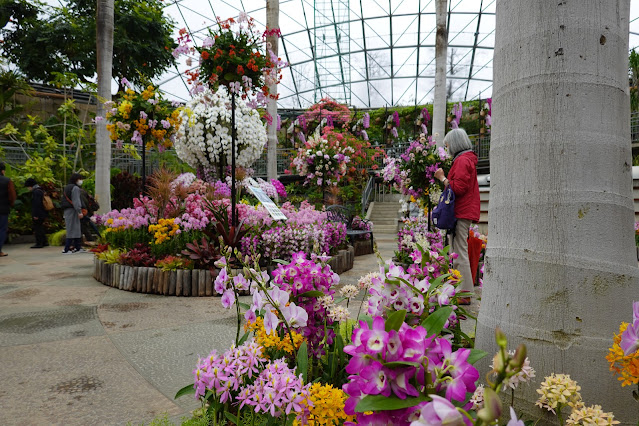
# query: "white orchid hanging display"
[204,139]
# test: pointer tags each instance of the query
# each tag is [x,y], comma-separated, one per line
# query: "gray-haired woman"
[72,205]
[462,179]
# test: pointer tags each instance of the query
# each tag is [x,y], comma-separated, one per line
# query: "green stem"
[559,416]
[239,319]
[465,413]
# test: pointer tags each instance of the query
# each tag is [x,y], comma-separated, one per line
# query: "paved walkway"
[76,352]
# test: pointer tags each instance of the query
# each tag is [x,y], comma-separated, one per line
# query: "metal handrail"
[366,194]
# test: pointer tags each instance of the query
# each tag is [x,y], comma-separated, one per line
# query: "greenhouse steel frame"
[343,49]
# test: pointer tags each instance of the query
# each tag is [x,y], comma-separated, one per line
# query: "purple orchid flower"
[514,421]
[396,118]
[228,299]
[270,321]
[366,121]
[439,412]
[376,338]
[377,379]
[630,339]
[426,115]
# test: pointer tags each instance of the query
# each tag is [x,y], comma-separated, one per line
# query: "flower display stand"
[182,282]
[362,247]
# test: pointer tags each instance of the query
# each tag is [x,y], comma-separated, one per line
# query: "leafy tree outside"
[41,39]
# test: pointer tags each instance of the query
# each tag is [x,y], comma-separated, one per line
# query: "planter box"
[362,247]
[194,283]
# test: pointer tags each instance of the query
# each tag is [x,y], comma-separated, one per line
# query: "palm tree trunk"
[441,49]
[272,22]
[104,38]
[561,266]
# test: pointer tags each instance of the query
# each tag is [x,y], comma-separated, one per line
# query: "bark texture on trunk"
[441,49]
[272,22]
[104,46]
[561,269]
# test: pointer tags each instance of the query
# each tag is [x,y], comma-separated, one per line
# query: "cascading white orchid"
[204,138]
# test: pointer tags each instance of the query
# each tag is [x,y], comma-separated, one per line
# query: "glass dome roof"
[366,53]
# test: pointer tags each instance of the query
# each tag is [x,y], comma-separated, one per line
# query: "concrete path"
[76,352]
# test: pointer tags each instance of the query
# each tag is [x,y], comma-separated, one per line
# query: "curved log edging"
[182,282]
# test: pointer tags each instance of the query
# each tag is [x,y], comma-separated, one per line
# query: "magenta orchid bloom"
[463,375]
[377,379]
[376,338]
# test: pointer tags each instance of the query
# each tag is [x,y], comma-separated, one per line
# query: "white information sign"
[269,205]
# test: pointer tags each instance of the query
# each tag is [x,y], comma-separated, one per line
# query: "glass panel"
[405,62]
[405,30]
[376,32]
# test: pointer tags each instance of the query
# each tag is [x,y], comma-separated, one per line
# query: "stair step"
[384,222]
[385,229]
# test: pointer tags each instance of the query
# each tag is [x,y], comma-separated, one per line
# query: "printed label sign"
[269,205]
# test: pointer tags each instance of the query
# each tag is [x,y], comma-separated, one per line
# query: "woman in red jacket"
[462,179]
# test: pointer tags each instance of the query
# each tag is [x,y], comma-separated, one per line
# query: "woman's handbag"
[444,212]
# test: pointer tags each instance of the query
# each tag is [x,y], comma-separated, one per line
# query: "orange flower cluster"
[141,126]
[230,56]
[627,367]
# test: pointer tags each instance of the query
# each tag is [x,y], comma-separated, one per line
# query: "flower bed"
[184,226]
[182,282]
[303,360]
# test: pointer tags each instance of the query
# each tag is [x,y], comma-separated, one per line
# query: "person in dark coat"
[38,213]
[72,205]
[7,199]
[88,227]
[462,179]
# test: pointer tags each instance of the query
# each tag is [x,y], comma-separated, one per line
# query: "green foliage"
[408,130]
[45,39]
[125,188]
[11,84]
[111,255]
[173,263]
[127,238]
[57,238]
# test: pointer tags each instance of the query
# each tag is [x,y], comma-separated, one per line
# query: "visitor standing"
[38,213]
[72,205]
[7,199]
[88,227]
[462,179]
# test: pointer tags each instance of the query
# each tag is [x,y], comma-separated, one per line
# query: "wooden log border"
[186,283]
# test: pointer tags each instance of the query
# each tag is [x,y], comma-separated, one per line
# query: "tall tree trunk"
[561,262]
[104,39]
[441,49]
[272,23]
